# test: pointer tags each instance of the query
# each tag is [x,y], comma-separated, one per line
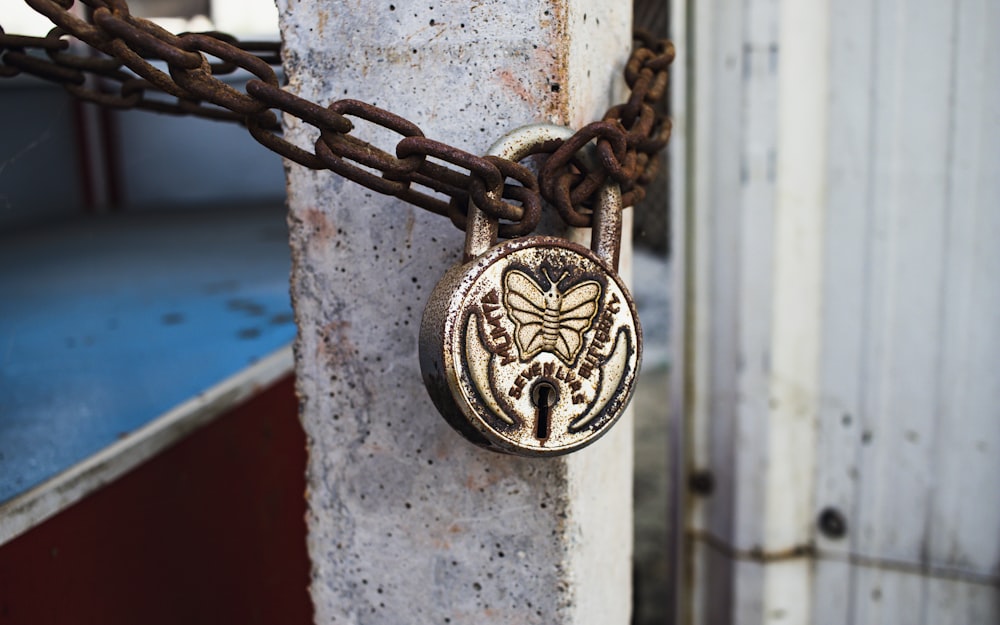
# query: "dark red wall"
[210,531]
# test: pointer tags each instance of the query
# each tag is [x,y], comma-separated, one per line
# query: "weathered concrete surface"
[408,523]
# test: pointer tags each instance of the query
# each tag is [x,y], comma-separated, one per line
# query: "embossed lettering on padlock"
[533,346]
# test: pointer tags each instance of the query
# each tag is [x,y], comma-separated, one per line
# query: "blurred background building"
[832,454]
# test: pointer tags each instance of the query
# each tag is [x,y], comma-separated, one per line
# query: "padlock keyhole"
[543,396]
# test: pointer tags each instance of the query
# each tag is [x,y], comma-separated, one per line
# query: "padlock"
[532,346]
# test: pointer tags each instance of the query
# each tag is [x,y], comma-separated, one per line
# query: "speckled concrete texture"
[408,523]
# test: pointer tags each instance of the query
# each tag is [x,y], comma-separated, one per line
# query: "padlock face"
[531,349]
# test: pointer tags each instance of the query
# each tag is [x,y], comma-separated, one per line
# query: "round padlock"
[533,346]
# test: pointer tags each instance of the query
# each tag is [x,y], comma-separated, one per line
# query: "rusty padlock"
[532,347]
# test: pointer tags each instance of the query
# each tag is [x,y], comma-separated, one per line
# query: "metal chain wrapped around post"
[629,137]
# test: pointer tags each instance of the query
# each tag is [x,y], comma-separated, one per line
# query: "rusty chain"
[629,137]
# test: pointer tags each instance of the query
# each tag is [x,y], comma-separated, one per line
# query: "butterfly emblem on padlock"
[549,320]
[533,346]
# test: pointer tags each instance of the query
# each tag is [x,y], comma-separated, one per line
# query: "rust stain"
[401,56]
[411,221]
[437,540]
[321,19]
[317,225]
[755,554]
[511,83]
[485,480]
[335,348]
[558,106]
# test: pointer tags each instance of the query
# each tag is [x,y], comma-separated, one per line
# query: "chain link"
[125,75]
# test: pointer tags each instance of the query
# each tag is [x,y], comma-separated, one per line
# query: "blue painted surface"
[106,323]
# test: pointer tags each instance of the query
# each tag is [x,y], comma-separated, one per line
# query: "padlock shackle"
[481,230]
[606,236]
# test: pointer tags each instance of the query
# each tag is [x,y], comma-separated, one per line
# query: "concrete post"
[408,523]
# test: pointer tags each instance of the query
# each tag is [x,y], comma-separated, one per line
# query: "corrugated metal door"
[839,212]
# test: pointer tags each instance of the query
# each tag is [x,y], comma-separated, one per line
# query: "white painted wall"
[840,224]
